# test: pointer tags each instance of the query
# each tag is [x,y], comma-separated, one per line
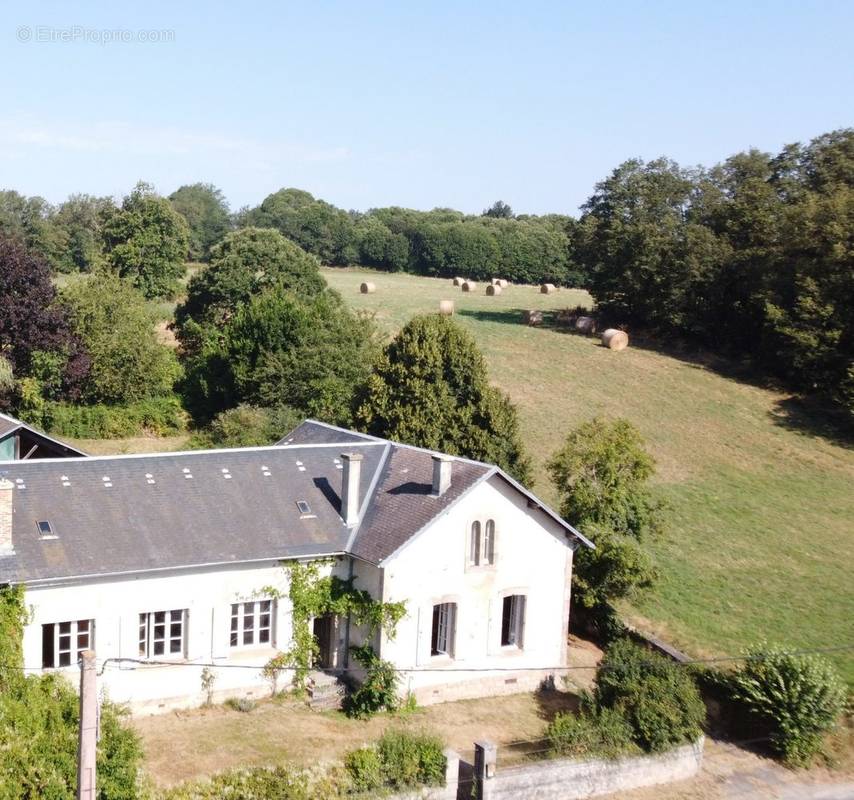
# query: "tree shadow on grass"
[507,316]
[810,417]
[799,414]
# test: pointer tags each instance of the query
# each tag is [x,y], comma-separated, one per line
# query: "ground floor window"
[63,642]
[251,623]
[444,624]
[513,621]
[162,633]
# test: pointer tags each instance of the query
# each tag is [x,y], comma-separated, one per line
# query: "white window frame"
[74,633]
[488,544]
[443,632]
[480,553]
[149,638]
[253,613]
[516,624]
[475,537]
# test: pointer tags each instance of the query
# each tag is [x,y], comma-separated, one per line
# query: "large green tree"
[280,348]
[206,212]
[316,226]
[243,264]
[35,337]
[111,318]
[79,220]
[601,474]
[430,387]
[146,241]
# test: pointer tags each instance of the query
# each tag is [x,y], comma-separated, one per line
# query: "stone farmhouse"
[158,563]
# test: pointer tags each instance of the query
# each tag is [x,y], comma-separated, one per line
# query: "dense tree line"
[754,257]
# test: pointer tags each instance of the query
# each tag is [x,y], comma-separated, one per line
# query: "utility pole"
[87,741]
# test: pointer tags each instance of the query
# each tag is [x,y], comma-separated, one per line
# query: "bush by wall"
[657,697]
[798,697]
[603,732]
[400,760]
[258,783]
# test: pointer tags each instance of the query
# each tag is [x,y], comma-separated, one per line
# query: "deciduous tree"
[430,388]
[146,242]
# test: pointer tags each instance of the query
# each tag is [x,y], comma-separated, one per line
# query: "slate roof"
[9,425]
[136,513]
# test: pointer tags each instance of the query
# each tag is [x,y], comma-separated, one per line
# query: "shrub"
[157,415]
[799,697]
[658,699]
[248,426]
[258,783]
[378,691]
[364,768]
[595,732]
[242,704]
[411,759]
[38,743]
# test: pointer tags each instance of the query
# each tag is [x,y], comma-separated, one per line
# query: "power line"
[419,670]
[118,660]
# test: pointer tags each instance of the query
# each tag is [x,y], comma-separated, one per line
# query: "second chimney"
[6,545]
[352,474]
[441,474]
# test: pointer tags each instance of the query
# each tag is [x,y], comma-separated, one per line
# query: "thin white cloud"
[131,140]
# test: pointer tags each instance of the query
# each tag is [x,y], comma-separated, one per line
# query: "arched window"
[489,543]
[474,544]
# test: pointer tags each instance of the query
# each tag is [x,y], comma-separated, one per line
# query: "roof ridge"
[185,453]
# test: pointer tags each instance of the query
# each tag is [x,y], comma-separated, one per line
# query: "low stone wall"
[565,779]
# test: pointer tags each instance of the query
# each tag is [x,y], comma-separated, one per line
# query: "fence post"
[452,773]
[485,758]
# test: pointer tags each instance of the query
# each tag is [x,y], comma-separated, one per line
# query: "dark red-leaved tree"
[31,320]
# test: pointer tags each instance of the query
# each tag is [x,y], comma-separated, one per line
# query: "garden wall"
[568,779]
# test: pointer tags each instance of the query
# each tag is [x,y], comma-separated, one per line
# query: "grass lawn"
[194,744]
[762,538]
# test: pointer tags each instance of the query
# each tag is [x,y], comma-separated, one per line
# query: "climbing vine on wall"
[313,595]
[13,617]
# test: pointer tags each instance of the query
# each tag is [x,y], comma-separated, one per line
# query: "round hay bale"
[547,288]
[493,289]
[503,283]
[615,339]
[469,286]
[367,288]
[458,281]
[446,308]
[585,325]
[533,317]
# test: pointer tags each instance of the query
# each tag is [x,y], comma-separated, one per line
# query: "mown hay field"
[761,543]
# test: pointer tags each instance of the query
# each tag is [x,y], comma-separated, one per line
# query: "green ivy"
[13,617]
[313,595]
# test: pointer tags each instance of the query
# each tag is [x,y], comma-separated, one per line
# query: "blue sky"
[369,104]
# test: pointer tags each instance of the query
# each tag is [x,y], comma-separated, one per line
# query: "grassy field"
[762,538]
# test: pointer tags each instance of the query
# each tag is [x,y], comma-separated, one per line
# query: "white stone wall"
[207,595]
[532,558]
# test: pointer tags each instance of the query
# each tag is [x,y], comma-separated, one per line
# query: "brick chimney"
[441,474]
[6,489]
[352,474]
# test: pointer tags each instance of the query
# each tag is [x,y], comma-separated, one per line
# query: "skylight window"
[304,507]
[45,529]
